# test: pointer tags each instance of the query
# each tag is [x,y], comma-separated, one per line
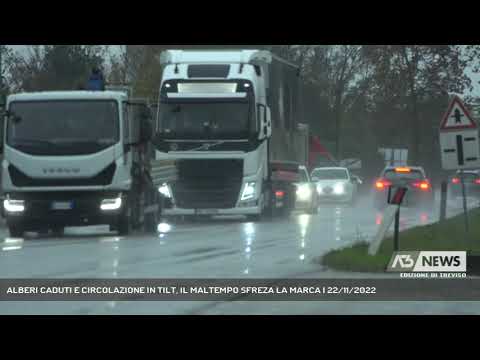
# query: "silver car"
[335,184]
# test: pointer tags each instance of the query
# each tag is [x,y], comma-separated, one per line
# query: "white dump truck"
[79,158]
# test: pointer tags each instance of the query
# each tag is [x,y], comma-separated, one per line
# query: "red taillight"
[477,181]
[279,193]
[382,184]
[423,185]
[456,180]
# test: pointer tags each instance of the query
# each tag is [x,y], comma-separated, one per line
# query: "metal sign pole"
[464,196]
[443,201]
[396,237]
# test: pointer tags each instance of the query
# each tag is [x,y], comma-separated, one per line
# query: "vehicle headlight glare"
[111,204]
[14,206]
[339,189]
[248,191]
[304,192]
[165,191]
[319,189]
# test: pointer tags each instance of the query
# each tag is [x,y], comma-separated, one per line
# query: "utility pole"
[2,89]
[1,68]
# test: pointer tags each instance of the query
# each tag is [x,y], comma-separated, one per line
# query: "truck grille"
[20,179]
[208,184]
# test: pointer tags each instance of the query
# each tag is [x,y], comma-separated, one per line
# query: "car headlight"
[339,189]
[319,189]
[111,204]
[165,191]
[304,192]
[14,206]
[248,191]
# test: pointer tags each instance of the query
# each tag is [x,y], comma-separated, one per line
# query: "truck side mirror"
[2,128]
[264,121]
[3,101]
[268,117]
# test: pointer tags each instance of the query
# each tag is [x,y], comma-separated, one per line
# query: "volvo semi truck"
[224,117]
[78,158]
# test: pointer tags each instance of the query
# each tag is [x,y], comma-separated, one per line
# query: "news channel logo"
[445,264]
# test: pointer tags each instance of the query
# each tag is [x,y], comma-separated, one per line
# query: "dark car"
[471,179]
[284,176]
[420,193]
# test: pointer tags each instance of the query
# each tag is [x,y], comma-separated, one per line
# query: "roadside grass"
[447,236]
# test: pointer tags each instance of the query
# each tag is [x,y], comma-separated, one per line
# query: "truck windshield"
[63,127]
[205,121]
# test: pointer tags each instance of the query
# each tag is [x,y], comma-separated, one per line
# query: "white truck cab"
[222,116]
[73,158]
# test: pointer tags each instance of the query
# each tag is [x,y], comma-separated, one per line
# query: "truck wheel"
[124,227]
[254,218]
[16,230]
[151,223]
[58,231]
[313,210]
[124,223]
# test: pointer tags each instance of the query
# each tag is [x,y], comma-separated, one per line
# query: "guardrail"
[163,172]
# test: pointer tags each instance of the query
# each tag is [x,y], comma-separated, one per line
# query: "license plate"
[207,211]
[62,205]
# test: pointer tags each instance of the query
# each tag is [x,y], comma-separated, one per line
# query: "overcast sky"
[118,48]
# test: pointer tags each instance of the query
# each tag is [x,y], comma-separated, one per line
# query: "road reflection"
[249,231]
[12,244]
[304,225]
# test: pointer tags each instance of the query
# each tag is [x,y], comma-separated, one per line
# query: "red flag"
[317,147]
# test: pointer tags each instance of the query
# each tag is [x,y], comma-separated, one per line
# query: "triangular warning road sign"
[457,117]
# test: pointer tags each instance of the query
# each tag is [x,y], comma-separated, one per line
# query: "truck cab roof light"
[207,88]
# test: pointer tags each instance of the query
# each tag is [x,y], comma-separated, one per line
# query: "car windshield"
[468,175]
[330,174]
[63,127]
[303,177]
[393,175]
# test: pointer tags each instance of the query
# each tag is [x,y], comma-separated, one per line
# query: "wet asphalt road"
[222,248]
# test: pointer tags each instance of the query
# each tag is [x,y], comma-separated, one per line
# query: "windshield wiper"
[207,146]
[32,142]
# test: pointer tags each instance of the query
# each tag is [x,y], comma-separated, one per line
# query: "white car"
[306,197]
[335,184]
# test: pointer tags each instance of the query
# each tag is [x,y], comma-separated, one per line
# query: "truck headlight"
[111,204]
[248,191]
[165,191]
[14,206]
[304,192]
[339,189]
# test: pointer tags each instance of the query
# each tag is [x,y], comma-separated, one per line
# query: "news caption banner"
[415,276]
[396,289]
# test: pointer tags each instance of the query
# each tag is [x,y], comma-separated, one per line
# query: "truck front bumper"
[43,211]
[213,212]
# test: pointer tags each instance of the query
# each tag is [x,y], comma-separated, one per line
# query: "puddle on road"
[197,251]
[12,244]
